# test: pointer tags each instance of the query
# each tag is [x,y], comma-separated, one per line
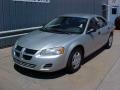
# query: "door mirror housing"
[41,26]
[91,30]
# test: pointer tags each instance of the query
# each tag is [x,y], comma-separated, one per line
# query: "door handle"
[109,28]
[99,33]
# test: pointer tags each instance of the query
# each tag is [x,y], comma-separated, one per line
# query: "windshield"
[66,25]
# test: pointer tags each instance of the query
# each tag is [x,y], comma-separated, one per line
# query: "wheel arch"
[69,56]
[73,47]
[111,33]
[80,47]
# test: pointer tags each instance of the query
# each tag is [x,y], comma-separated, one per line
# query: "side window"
[114,10]
[92,24]
[101,22]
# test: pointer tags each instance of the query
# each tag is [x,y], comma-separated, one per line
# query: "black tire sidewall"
[69,67]
[117,23]
[107,45]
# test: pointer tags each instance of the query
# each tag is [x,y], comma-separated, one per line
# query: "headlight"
[52,51]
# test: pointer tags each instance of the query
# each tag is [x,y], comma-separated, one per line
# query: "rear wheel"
[110,41]
[117,23]
[74,61]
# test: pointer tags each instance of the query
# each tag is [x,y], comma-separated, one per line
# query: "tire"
[74,60]
[117,23]
[110,41]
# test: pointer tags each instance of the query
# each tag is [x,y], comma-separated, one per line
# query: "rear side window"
[114,10]
[93,24]
[101,22]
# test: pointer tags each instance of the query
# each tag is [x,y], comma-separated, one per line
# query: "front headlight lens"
[52,51]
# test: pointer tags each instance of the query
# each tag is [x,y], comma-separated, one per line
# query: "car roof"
[80,15]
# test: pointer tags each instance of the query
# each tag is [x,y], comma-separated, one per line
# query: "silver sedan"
[63,43]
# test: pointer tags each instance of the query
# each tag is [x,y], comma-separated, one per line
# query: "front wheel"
[110,41]
[74,61]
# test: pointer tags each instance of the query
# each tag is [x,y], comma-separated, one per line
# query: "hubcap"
[76,60]
[110,40]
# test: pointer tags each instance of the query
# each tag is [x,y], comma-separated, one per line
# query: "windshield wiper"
[53,25]
[55,31]
[60,31]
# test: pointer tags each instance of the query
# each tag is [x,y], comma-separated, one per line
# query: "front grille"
[26,57]
[24,53]
[30,51]
[17,54]
[19,48]
[25,64]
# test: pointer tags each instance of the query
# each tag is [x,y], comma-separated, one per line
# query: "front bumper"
[44,64]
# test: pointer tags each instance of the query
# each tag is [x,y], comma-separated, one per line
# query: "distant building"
[18,14]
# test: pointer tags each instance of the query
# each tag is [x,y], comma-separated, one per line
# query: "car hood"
[41,40]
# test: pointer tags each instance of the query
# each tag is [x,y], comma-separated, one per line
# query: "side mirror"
[91,30]
[41,26]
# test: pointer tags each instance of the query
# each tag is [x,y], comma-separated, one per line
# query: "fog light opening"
[48,65]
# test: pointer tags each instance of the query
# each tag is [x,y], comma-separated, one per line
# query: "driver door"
[92,37]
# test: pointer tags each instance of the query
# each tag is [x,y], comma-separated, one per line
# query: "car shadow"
[93,55]
[53,75]
[38,74]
